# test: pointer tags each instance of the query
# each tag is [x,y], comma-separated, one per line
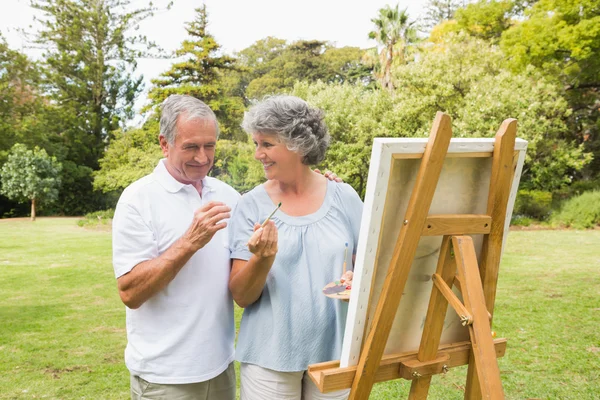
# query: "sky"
[235,24]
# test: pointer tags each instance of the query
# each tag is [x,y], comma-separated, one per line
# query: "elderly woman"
[279,269]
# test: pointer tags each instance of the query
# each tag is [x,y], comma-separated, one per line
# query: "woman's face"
[278,162]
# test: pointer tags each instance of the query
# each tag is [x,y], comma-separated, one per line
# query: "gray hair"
[299,126]
[176,105]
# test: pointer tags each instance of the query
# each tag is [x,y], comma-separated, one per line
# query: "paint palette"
[337,290]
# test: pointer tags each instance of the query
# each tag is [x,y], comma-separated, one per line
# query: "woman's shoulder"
[253,198]
[344,192]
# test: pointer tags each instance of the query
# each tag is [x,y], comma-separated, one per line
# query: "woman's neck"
[303,181]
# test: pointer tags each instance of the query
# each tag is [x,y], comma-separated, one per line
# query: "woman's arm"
[247,278]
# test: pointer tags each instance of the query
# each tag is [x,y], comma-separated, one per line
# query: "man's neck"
[177,176]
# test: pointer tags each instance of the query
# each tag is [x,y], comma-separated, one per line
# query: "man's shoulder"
[137,188]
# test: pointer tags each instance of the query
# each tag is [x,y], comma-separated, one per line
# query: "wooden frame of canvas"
[363,361]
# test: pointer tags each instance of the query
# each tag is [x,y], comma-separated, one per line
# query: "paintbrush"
[269,217]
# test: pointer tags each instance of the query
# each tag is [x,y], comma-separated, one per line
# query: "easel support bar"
[457,224]
[465,316]
[329,377]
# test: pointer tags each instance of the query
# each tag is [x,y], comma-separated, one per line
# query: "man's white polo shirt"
[184,333]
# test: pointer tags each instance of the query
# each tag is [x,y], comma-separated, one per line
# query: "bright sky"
[236,24]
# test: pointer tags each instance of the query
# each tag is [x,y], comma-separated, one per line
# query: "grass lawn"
[62,325]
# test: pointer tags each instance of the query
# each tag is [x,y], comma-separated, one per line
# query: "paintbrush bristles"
[269,217]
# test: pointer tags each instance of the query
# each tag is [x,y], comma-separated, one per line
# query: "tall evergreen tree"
[200,74]
[89,64]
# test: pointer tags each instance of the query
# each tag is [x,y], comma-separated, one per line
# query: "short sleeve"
[133,240]
[353,208]
[242,227]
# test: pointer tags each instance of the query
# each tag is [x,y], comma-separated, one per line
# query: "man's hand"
[263,243]
[329,175]
[207,221]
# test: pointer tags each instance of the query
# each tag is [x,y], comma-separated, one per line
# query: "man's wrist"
[187,245]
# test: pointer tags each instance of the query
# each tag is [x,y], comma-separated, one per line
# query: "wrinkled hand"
[263,242]
[330,175]
[207,221]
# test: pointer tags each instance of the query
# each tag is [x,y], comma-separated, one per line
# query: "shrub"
[97,218]
[520,220]
[575,189]
[535,204]
[581,212]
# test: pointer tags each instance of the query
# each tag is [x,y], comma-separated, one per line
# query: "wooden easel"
[457,266]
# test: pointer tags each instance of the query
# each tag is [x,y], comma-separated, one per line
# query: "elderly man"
[171,261]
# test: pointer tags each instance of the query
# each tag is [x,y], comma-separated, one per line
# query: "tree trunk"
[32,209]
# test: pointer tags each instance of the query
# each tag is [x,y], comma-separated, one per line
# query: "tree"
[394,33]
[354,115]
[438,11]
[468,79]
[485,19]
[89,62]
[562,38]
[200,74]
[132,154]
[25,115]
[30,175]
[271,66]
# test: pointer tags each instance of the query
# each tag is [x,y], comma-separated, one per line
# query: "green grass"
[62,324]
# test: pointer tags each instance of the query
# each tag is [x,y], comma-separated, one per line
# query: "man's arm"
[149,277]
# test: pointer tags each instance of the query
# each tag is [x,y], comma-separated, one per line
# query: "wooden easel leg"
[434,321]
[483,353]
[472,390]
[403,256]
[500,183]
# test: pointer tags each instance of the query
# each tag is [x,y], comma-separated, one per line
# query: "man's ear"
[164,145]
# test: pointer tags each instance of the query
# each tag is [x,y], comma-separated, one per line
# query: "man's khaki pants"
[221,387]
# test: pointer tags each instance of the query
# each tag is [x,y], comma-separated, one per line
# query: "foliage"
[562,38]
[485,19]
[96,218]
[236,166]
[25,115]
[132,154]
[438,11]
[271,66]
[394,33]
[520,220]
[575,189]
[581,212]
[200,74]
[77,196]
[536,204]
[30,175]
[467,79]
[354,116]
[88,66]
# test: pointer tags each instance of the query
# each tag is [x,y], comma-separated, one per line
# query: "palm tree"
[394,32]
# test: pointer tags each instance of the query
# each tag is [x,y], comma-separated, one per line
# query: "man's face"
[192,155]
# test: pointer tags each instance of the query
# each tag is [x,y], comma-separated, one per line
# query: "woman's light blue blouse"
[293,324]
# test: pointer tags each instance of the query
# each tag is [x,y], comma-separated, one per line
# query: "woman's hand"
[347,278]
[263,243]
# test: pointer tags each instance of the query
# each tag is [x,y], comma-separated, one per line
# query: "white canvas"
[462,189]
